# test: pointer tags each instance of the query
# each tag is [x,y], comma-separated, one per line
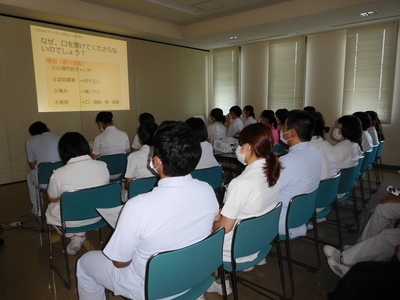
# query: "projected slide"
[78,72]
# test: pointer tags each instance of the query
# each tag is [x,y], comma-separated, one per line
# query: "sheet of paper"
[110,214]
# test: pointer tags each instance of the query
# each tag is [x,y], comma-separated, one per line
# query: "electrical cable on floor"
[19,224]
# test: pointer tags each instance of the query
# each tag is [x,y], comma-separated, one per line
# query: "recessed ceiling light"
[233,37]
[368,13]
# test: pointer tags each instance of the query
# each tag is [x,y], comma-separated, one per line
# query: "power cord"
[18,225]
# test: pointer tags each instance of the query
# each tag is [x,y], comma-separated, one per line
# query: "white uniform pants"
[33,185]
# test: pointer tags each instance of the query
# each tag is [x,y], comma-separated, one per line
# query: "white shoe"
[337,268]
[249,269]
[320,220]
[217,288]
[201,297]
[263,262]
[332,251]
[75,244]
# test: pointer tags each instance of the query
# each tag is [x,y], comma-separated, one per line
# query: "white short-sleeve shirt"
[366,141]
[111,141]
[248,195]
[216,131]
[234,128]
[137,165]
[136,142]
[374,135]
[347,154]
[207,159]
[43,147]
[329,167]
[79,173]
[178,212]
[249,120]
[301,174]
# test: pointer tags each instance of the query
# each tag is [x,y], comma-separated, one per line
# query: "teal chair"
[188,269]
[116,165]
[300,210]
[213,176]
[378,164]
[78,205]
[45,170]
[141,186]
[250,236]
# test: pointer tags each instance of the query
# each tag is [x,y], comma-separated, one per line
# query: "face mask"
[152,166]
[282,138]
[336,135]
[240,156]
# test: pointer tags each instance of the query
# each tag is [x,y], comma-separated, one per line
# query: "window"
[286,74]
[369,70]
[226,78]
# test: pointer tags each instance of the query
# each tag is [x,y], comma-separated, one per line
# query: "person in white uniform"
[235,124]
[267,117]
[42,146]
[207,159]
[348,134]
[376,242]
[366,139]
[79,172]
[248,112]
[143,118]
[376,123]
[111,140]
[179,212]
[302,166]
[216,130]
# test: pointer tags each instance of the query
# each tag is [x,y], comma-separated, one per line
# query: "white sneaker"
[217,288]
[248,269]
[75,244]
[263,262]
[332,251]
[337,268]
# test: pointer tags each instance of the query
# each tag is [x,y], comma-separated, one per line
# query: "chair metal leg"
[290,268]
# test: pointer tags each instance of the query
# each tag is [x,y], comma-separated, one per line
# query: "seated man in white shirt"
[179,212]
[301,167]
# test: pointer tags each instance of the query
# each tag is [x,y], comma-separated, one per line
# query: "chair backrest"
[300,210]
[255,234]
[346,181]
[327,191]
[141,186]
[372,157]
[172,272]
[380,149]
[78,205]
[357,173]
[45,170]
[116,163]
[367,160]
[213,176]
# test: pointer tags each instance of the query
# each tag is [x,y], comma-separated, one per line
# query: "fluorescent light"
[176,6]
[368,13]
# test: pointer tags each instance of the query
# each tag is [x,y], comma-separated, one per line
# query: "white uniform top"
[111,141]
[329,167]
[366,141]
[43,147]
[177,213]
[374,135]
[79,173]
[216,131]
[248,195]
[347,154]
[136,143]
[249,120]
[137,165]
[234,128]
[301,174]
[207,159]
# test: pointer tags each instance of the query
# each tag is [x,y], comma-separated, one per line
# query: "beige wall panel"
[156,80]
[192,84]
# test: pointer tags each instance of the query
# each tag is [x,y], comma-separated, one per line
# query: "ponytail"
[272,169]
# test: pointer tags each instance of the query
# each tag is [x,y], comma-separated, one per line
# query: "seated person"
[376,242]
[179,212]
[143,118]
[366,139]
[280,116]
[248,113]
[111,140]
[267,117]
[235,124]
[348,134]
[254,192]
[301,167]
[372,128]
[207,159]
[216,130]
[79,172]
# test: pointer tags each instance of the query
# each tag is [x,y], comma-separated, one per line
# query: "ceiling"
[205,24]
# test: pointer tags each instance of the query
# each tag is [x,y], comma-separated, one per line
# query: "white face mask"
[152,166]
[336,135]
[240,156]
[282,138]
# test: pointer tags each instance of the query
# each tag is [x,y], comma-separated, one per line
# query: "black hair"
[218,114]
[364,118]
[38,128]
[104,116]
[250,109]
[301,121]
[146,132]
[377,124]
[72,144]
[281,114]
[270,116]
[319,128]
[351,128]
[236,110]
[309,109]
[199,127]
[177,147]
[146,117]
